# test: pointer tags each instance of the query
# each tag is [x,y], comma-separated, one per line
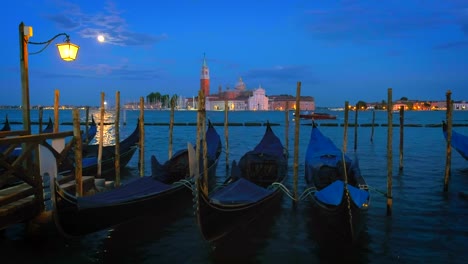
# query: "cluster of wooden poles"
[201,129]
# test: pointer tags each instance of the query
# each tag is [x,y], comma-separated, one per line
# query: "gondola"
[164,190]
[50,126]
[92,130]
[252,190]
[339,194]
[6,125]
[459,141]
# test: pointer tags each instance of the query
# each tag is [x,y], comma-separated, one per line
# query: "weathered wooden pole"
[24,66]
[142,137]
[117,139]
[355,127]
[402,115]
[373,123]
[41,114]
[226,134]
[171,126]
[448,157]
[296,138]
[345,126]
[86,124]
[78,152]
[202,110]
[56,111]
[389,152]
[101,136]
[198,145]
[286,126]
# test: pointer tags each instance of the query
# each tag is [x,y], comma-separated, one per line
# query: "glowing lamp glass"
[68,51]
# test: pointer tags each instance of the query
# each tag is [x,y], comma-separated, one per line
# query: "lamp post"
[67,50]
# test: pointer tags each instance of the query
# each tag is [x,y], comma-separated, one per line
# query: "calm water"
[427,225]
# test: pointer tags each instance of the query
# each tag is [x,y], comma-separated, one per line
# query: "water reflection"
[108,137]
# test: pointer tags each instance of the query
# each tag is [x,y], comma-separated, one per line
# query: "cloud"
[452,45]
[279,73]
[108,22]
[122,72]
[370,21]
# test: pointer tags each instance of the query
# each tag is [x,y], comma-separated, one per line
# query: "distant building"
[240,98]
[205,78]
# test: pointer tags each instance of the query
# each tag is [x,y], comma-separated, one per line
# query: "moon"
[100,38]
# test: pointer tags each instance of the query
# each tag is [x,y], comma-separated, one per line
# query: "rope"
[307,192]
[282,188]
[376,190]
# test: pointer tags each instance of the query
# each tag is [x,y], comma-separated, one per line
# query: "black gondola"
[50,126]
[459,141]
[252,189]
[163,190]
[92,130]
[6,125]
[339,194]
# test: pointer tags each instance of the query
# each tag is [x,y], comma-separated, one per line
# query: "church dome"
[240,86]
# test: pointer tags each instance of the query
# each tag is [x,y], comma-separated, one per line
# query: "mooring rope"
[282,188]
[307,192]
[376,190]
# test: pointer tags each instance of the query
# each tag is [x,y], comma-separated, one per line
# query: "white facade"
[258,101]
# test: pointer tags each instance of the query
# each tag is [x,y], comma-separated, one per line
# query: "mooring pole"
[389,152]
[117,139]
[286,126]
[402,115]
[355,127]
[345,134]
[448,157]
[171,126]
[296,138]
[226,134]
[56,111]
[142,137]
[101,135]
[373,123]
[78,153]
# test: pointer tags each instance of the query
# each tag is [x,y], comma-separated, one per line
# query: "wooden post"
[78,152]
[198,145]
[402,114]
[372,130]
[86,125]
[286,126]
[56,111]
[142,137]
[345,134]
[296,138]
[389,152]
[117,139]
[201,109]
[171,126]
[355,127]
[24,65]
[41,114]
[101,136]
[448,157]
[226,134]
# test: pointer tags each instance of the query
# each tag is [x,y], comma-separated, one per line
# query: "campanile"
[205,78]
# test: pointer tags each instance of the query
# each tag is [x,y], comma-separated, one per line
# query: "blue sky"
[339,50]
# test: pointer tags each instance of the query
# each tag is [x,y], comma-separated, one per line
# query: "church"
[242,99]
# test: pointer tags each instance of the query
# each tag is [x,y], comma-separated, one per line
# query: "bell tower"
[205,78]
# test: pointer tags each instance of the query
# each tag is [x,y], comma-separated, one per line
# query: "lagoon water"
[427,225]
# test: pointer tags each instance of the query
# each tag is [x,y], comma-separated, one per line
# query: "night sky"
[339,50]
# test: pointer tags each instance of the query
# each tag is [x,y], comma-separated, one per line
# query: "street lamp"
[67,50]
